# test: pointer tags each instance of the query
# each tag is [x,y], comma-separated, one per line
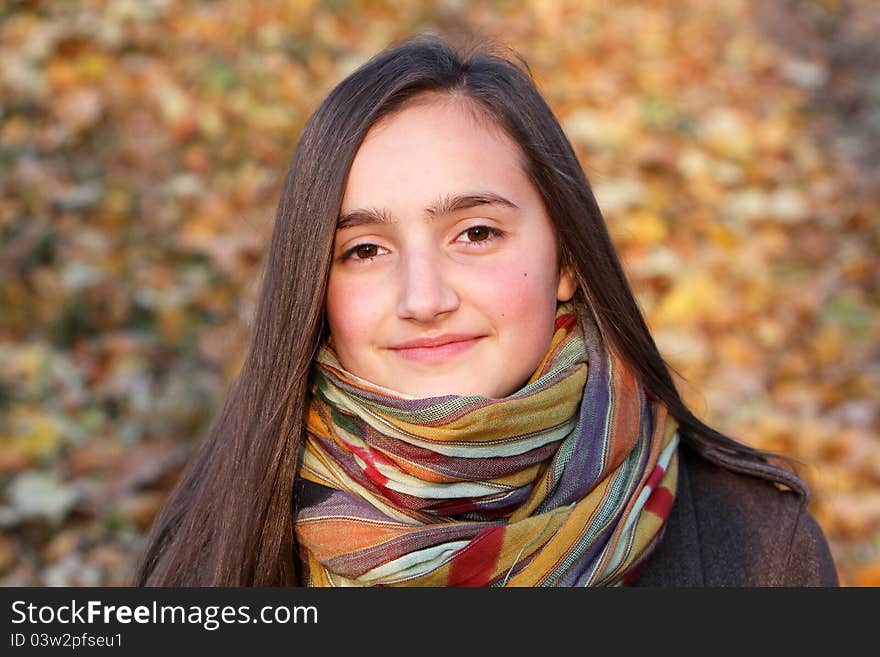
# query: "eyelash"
[494,234]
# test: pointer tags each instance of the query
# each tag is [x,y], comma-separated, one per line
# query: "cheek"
[518,289]
[351,312]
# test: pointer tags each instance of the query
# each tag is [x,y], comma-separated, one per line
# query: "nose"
[425,289]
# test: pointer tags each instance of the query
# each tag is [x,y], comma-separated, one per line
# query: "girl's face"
[444,277]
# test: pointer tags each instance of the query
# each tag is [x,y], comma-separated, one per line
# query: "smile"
[436,353]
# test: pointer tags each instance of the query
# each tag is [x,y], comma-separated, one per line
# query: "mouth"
[435,350]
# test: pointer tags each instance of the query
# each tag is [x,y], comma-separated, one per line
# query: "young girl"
[449,381]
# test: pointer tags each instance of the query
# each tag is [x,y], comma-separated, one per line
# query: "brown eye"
[479,236]
[365,251]
[477,233]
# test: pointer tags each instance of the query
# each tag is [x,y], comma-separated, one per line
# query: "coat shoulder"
[733,529]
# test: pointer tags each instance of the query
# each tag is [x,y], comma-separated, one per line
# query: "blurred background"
[733,147]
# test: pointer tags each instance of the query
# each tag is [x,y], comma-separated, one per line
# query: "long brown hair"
[229,521]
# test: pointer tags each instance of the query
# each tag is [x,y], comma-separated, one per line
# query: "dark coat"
[730,529]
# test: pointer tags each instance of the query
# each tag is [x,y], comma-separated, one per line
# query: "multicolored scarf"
[566,482]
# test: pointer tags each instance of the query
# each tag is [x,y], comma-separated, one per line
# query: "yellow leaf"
[31,433]
[726,132]
[643,226]
[697,296]
[829,344]
[171,322]
[722,236]
[93,66]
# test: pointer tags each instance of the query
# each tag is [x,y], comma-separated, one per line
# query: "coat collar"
[677,560]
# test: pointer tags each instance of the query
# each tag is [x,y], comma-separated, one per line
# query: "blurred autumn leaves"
[142,146]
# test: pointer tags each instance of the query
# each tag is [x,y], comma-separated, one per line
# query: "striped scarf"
[566,482]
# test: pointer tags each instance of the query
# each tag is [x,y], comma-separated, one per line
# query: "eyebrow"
[441,206]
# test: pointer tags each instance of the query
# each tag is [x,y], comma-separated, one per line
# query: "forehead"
[437,143]
[454,110]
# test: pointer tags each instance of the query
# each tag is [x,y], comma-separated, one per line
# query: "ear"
[567,284]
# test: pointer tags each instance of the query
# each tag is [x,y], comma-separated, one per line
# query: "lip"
[436,341]
[436,349]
